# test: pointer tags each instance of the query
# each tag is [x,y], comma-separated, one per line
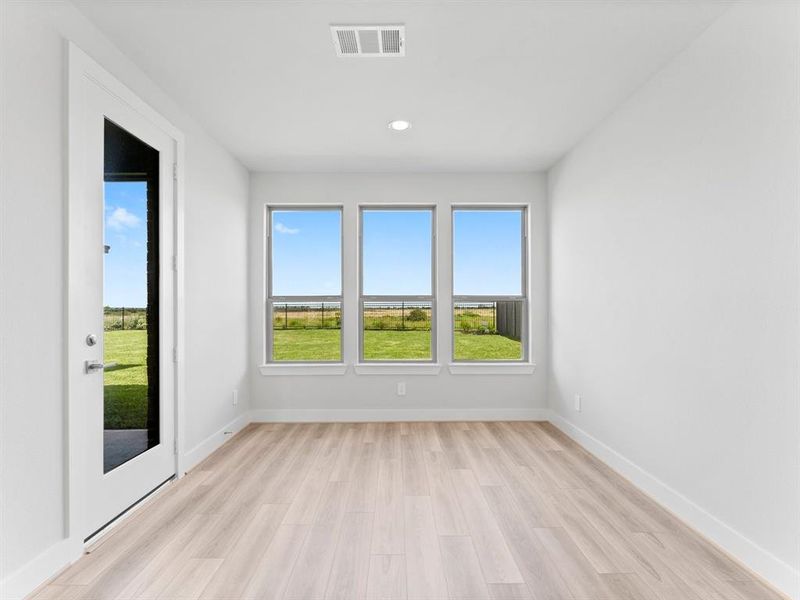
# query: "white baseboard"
[34,573]
[202,450]
[362,415]
[760,561]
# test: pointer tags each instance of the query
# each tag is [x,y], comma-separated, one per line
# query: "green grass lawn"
[323,344]
[306,344]
[470,346]
[125,391]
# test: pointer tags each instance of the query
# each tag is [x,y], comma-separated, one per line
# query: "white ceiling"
[490,86]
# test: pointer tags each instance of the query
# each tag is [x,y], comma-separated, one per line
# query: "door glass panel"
[130,298]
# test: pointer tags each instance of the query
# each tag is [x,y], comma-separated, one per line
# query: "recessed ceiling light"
[399,125]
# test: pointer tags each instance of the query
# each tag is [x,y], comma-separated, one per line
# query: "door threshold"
[97,536]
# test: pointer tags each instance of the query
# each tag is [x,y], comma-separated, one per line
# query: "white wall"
[674,285]
[32,399]
[357,395]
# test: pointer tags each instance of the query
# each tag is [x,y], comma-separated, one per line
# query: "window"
[489,284]
[304,285]
[397,304]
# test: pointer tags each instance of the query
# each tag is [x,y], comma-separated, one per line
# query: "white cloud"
[281,228]
[121,219]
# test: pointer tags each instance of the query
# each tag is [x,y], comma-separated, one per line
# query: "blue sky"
[125,276]
[487,249]
[397,252]
[306,253]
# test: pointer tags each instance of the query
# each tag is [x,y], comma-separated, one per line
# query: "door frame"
[80,69]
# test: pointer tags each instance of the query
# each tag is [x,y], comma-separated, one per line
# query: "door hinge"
[174,262]
[175,445]
[175,171]
[174,354]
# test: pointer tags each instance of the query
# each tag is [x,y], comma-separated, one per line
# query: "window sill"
[397,368]
[272,369]
[488,368]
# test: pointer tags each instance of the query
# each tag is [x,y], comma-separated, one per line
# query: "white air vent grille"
[347,41]
[369,40]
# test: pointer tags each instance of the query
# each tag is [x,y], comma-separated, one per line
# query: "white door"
[122,294]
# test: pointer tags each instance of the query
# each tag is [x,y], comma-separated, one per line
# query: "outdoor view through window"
[489,304]
[131,399]
[397,301]
[305,303]
[397,287]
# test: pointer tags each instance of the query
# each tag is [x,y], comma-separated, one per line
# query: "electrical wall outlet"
[235,397]
[578,402]
[401,388]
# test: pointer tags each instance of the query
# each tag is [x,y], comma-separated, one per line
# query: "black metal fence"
[117,318]
[503,317]
[397,316]
[307,315]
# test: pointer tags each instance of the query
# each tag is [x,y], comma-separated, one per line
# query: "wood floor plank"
[462,569]
[583,581]
[351,445]
[397,511]
[480,463]
[627,586]
[190,579]
[426,432]
[509,591]
[425,574]
[415,481]
[446,510]
[156,575]
[388,536]
[495,558]
[348,578]
[272,573]
[602,555]
[306,500]
[290,468]
[455,455]
[389,441]
[527,491]
[312,567]
[364,488]
[233,575]
[55,591]
[484,437]
[538,569]
[387,577]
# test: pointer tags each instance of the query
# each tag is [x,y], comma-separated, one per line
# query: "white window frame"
[270,300]
[522,297]
[363,363]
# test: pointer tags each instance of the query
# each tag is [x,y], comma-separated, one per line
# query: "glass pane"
[397,331]
[487,252]
[307,331]
[130,298]
[396,252]
[488,330]
[306,253]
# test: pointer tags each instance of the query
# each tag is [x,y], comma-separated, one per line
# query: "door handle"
[93,366]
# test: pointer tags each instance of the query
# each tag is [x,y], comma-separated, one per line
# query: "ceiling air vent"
[369,40]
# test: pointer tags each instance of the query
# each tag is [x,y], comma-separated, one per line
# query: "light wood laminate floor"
[403,511]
